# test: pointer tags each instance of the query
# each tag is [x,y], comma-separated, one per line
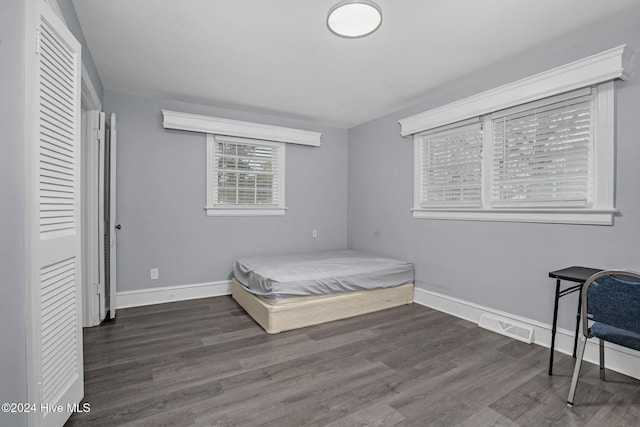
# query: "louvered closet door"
[57,252]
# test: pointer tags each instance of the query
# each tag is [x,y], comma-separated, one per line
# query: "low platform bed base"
[299,312]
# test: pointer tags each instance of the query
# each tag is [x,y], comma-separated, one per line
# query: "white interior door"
[93,288]
[113,226]
[55,334]
[102,218]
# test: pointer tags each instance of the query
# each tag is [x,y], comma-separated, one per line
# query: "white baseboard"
[617,358]
[150,296]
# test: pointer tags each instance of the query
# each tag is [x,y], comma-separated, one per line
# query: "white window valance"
[220,126]
[602,67]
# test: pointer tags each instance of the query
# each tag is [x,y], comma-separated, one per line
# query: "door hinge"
[96,288]
[98,134]
[38,41]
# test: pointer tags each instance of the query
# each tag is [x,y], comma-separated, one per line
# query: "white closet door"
[56,238]
[93,287]
[102,238]
[112,215]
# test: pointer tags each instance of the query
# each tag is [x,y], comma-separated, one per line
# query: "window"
[543,153]
[452,166]
[540,149]
[244,176]
[534,162]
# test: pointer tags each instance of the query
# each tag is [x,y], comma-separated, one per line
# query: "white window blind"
[246,172]
[452,166]
[542,153]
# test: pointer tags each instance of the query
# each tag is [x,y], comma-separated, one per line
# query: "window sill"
[550,216]
[245,211]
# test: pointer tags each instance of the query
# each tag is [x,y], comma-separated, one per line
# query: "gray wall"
[499,265]
[71,19]
[13,368]
[161,198]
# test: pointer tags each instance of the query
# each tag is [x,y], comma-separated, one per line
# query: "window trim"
[598,71]
[547,216]
[212,209]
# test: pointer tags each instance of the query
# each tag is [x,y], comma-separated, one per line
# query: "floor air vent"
[506,327]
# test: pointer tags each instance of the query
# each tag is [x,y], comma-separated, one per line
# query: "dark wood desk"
[571,274]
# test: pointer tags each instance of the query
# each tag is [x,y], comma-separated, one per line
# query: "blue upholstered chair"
[611,303]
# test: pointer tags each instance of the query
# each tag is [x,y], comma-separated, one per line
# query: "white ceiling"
[277,56]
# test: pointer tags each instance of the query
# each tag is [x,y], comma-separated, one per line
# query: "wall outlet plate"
[154,274]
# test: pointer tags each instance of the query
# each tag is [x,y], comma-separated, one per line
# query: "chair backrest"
[614,299]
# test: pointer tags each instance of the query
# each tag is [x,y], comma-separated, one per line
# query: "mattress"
[277,277]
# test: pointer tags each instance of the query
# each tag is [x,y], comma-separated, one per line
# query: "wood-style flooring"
[206,363]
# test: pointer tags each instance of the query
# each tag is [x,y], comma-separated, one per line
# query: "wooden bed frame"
[299,312]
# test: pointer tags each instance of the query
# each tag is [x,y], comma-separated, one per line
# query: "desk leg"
[575,340]
[553,327]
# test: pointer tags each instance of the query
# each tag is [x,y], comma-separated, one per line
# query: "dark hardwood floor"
[206,363]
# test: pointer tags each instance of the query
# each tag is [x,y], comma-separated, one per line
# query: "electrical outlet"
[154,274]
[314,233]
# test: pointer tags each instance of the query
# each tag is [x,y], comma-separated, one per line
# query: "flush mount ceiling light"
[353,19]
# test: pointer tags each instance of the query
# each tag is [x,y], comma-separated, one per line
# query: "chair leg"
[602,360]
[576,371]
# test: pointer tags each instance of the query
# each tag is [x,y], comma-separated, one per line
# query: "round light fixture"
[353,19]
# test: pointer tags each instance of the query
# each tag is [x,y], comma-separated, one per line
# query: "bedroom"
[361,179]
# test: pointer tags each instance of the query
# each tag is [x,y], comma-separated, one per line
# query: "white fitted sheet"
[321,273]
